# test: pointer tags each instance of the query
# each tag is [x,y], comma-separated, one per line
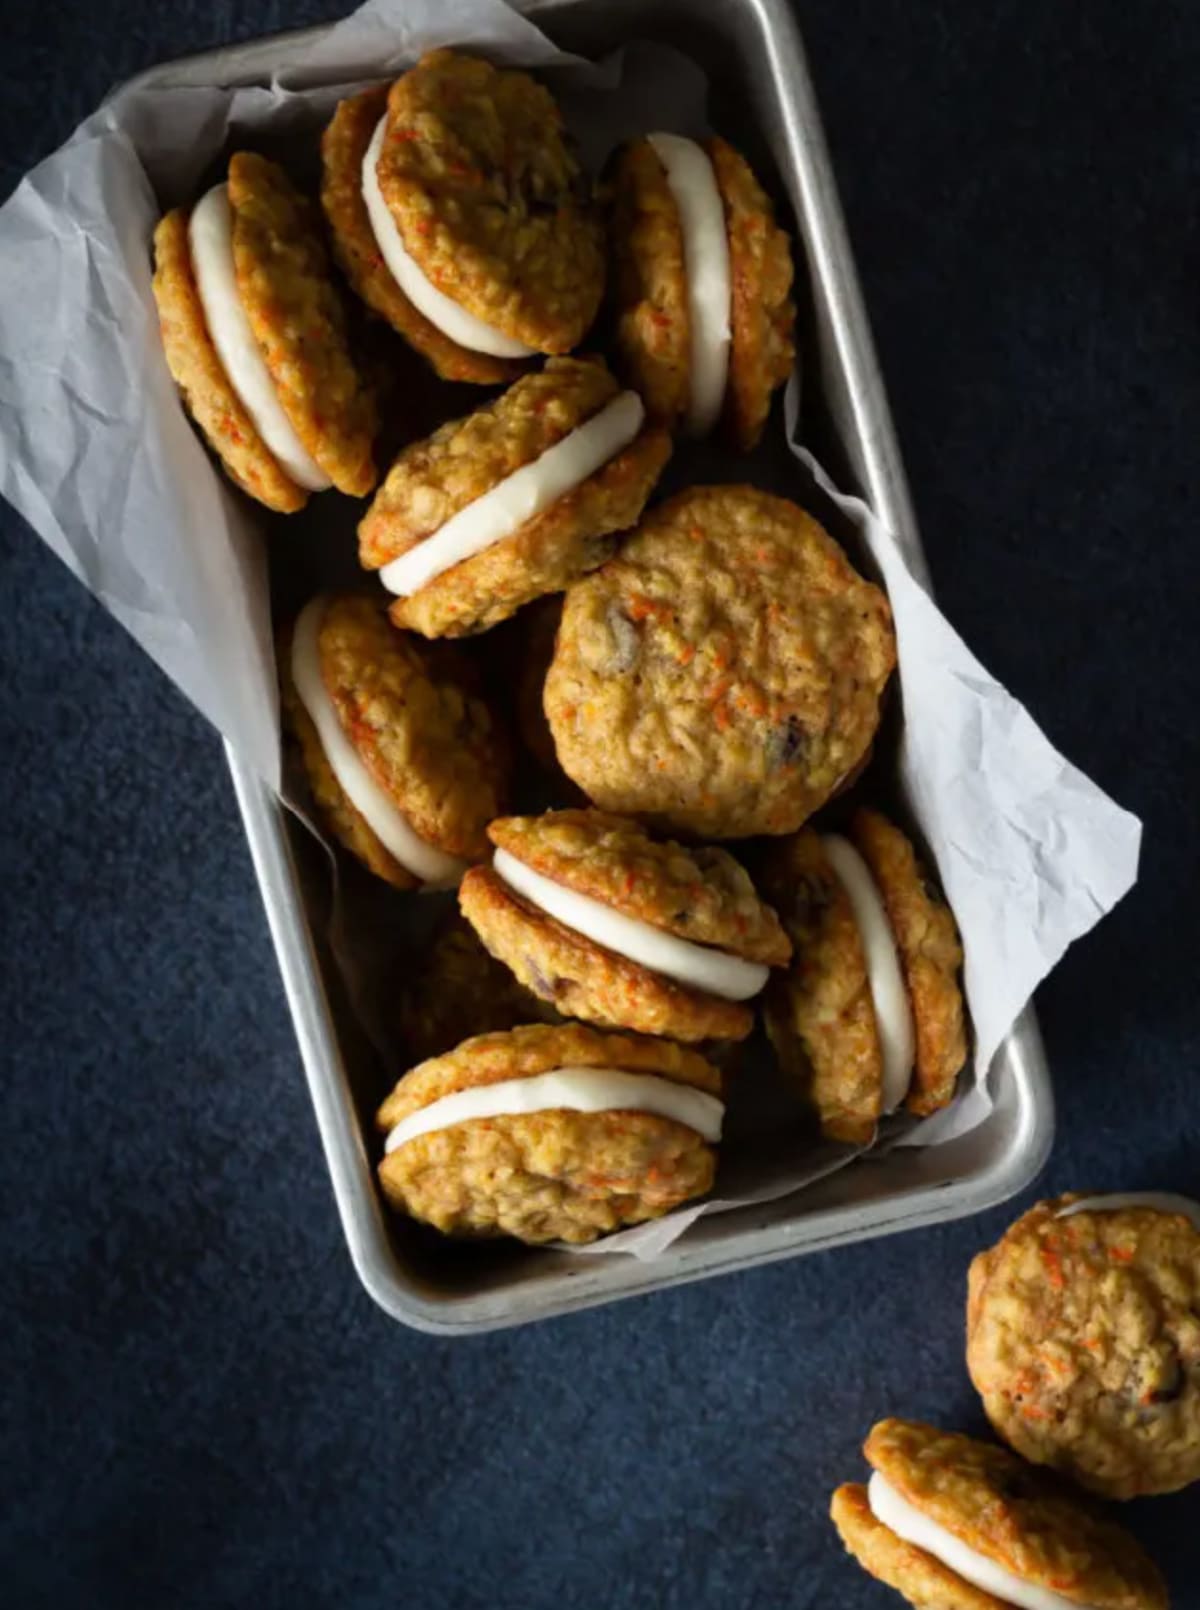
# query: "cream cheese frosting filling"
[1112,1202]
[697,197]
[441,310]
[716,972]
[908,1522]
[519,497]
[210,242]
[568,1090]
[889,994]
[390,826]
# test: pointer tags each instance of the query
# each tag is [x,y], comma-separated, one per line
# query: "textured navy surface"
[202,1407]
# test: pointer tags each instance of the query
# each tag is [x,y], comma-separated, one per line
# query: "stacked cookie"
[1084,1344]
[693,680]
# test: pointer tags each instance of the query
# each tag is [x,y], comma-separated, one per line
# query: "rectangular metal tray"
[752,50]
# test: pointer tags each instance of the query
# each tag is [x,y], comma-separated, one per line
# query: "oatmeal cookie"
[197,371]
[546,909]
[723,674]
[434,480]
[552,1173]
[651,316]
[1010,1517]
[343,147]
[285,285]
[582,979]
[819,1014]
[1083,1340]
[490,201]
[930,955]
[415,722]
[762,312]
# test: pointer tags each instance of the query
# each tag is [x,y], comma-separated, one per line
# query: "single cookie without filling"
[1083,1339]
[722,675]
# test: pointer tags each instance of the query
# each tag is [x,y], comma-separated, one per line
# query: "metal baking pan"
[753,54]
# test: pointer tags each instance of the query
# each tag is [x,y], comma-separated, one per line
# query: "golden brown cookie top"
[412,713]
[820,1014]
[930,956]
[343,147]
[1015,1516]
[1084,1342]
[522,1053]
[198,372]
[723,673]
[701,894]
[285,284]
[434,479]
[490,201]
[762,313]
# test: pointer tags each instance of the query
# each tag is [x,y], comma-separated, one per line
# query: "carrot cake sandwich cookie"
[255,338]
[517,500]
[1083,1339]
[702,280]
[460,215]
[609,924]
[406,762]
[721,676]
[870,1016]
[955,1524]
[551,1134]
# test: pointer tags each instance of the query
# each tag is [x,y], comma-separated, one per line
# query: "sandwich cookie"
[870,1015]
[404,759]
[722,676]
[702,279]
[461,216]
[955,1524]
[515,501]
[550,1134]
[255,338]
[1083,1339]
[611,925]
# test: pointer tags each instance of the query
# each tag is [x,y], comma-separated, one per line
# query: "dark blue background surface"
[203,1408]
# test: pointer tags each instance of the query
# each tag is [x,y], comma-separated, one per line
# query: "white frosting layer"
[893,1009]
[519,497]
[1164,1201]
[693,186]
[210,242]
[716,972]
[438,308]
[434,867]
[569,1090]
[908,1522]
